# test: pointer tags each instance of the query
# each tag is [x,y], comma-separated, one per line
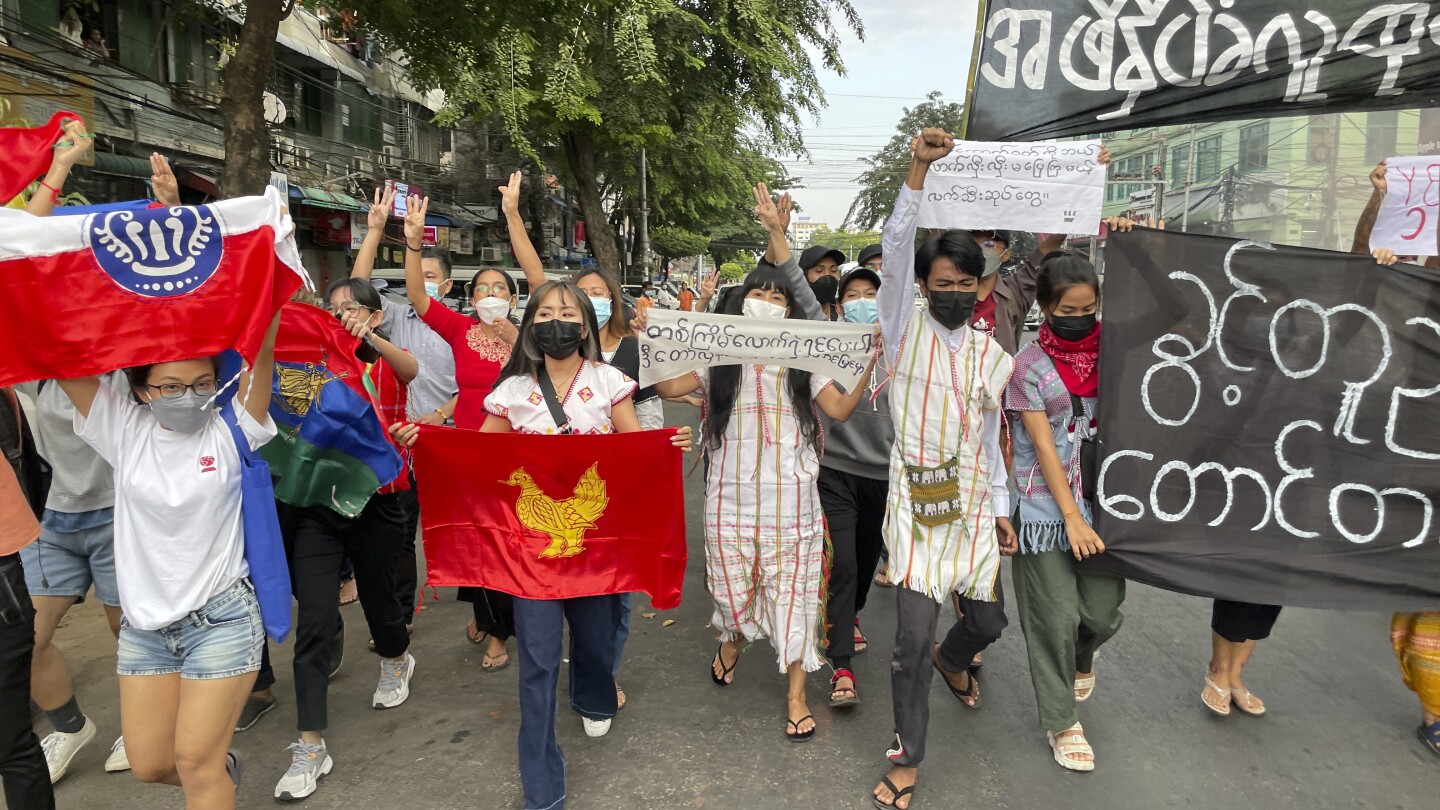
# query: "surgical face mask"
[557,339]
[488,310]
[183,414]
[994,257]
[825,289]
[952,308]
[432,288]
[1072,327]
[756,308]
[602,310]
[861,310]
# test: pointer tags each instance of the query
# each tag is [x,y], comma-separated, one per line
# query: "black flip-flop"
[898,793]
[799,736]
[724,670]
[973,693]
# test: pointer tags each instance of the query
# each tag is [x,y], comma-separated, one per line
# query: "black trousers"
[494,611]
[22,763]
[855,517]
[911,668]
[318,540]
[407,578]
[1238,622]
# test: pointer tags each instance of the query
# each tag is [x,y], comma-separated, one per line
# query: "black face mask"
[1072,327]
[557,339]
[825,289]
[952,309]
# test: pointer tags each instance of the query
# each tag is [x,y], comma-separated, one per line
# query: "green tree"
[242,108]
[730,271]
[886,168]
[848,242]
[675,243]
[602,78]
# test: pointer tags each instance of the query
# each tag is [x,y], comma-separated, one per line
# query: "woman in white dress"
[764,530]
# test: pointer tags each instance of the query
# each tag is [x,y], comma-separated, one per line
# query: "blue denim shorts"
[223,639]
[75,550]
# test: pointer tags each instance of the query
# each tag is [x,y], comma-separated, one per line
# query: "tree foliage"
[848,242]
[732,271]
[599,79]
[886,168]
[673,243]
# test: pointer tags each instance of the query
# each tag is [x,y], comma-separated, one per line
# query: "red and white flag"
[89,294]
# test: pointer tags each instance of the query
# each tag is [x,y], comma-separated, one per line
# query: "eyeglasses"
[204,388]
[347,308]
[499,289]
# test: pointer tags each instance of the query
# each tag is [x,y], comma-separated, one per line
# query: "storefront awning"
[202,183]
[320,198]
[445,219]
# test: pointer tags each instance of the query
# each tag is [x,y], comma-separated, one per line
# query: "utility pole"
[1189,181]
[1329,230]
[1227,203]
[644,220]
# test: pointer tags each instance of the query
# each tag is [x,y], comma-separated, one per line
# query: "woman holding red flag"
[542,390]
[191,636]
[481,347]
[1066,610]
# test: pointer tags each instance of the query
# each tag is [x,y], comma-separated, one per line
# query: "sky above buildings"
[911,48]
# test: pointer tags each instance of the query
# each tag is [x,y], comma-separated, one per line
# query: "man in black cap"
[821,266]
[1008,289]
[871,258]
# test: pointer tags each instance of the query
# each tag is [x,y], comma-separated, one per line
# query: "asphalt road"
[1340,732]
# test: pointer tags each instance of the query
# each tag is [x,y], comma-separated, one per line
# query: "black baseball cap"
[1008,237]
[861,272]
[815,253]
[870,252]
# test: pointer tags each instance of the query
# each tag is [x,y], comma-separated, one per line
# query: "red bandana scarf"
[1074,359]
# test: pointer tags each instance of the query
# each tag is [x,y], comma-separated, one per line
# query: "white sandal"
[1064,750]
[1245,700]
[1086,684]
[1224,695]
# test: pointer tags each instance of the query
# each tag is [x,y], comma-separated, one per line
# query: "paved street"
[1340,733]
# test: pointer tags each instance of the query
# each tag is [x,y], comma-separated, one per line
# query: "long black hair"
[1061,270]
[724,385]
[526,359]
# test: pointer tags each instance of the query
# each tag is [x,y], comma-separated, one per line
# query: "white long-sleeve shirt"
[896,301]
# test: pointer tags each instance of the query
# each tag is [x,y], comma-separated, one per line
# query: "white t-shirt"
[594,391]
[179,539]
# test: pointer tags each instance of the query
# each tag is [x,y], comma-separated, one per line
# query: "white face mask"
[757,308]
[489,309]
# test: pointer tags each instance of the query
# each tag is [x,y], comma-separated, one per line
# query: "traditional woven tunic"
[764,533]
[941,528]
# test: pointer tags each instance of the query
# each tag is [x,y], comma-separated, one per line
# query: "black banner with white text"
[1268,423]
[1053,68]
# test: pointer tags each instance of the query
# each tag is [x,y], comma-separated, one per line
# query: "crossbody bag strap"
[1077,413]
[557,413]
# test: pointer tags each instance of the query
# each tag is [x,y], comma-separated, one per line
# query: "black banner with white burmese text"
[1268,423]
[1053,68]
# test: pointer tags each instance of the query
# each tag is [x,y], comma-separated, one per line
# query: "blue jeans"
[539,631]
[223,639]
[622,632]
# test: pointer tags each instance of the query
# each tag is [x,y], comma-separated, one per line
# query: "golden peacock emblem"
[300,386]
[565,521]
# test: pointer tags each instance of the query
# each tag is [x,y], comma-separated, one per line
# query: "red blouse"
[478,360]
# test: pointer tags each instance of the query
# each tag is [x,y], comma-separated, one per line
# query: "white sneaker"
[394,686]
[60,748]
[308,765]
[117,762]
[596,728]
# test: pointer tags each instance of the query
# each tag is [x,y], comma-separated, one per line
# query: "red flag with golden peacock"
[553,517]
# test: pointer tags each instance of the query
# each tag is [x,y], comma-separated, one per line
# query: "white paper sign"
[1039,187]
[676,343]
[1407,219]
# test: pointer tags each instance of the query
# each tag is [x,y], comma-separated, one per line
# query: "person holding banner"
[558,350]
[1416,637]
[765,534]
[191,636]
[1066,610]
[948,485]
[480,349]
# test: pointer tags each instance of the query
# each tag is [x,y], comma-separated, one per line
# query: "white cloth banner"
[1407,219]
[1039,187]
[677,343]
